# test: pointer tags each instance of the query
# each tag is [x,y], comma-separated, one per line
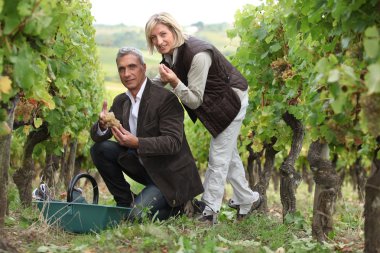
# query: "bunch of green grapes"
[110,120]
[282,69]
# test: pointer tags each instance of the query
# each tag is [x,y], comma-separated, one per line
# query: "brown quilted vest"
[220,103]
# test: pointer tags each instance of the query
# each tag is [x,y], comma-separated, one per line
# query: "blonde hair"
[168,20]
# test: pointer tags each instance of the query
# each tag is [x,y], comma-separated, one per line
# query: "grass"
[258,233]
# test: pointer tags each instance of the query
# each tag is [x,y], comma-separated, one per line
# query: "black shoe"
[193,207]
[199,206]
[232,205]
[210,219]
[255,205]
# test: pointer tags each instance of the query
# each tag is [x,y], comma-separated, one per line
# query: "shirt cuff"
[100,132]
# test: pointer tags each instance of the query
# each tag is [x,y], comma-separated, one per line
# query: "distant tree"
[199,25]
[129,38]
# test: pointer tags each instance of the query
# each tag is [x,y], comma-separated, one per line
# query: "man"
[151,145]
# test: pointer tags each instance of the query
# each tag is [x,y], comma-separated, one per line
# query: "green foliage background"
[49,59]
[317,60]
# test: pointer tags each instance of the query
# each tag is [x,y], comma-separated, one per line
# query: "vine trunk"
[23,177]
[372,209]
[264,178]
[289,177]
[327,183]
[5,152]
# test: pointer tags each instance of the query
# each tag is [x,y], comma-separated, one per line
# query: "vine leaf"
[38,122]
[371,42]
[373,78]
[334,76]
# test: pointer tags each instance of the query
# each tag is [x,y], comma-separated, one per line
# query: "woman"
[216,93]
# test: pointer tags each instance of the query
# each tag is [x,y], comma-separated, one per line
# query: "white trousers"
[225,165]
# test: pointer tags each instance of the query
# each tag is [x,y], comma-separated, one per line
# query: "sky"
[137,12]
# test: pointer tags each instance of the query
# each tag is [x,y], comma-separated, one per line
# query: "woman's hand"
[168,76]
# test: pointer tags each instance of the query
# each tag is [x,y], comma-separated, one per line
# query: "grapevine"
[49,67]
[320,62]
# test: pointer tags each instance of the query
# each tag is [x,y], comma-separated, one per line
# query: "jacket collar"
[144,103]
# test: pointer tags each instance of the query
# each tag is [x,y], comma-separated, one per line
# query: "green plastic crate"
[82,217]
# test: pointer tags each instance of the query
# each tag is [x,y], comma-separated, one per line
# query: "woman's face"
[163,39]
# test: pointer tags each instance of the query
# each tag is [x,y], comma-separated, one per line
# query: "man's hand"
[188,209]
[168,76]
[102,117]
[125,138]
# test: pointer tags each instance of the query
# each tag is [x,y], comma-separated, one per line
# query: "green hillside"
[108,57]
[120,35]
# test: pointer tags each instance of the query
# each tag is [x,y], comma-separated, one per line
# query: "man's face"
[131,72]
[163,39]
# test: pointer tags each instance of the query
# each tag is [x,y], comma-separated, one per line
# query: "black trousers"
[150,202]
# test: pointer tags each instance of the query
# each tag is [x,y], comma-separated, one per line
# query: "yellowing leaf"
[65,138]
[5,84]
[257,145]
[49,103]
[26,129]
